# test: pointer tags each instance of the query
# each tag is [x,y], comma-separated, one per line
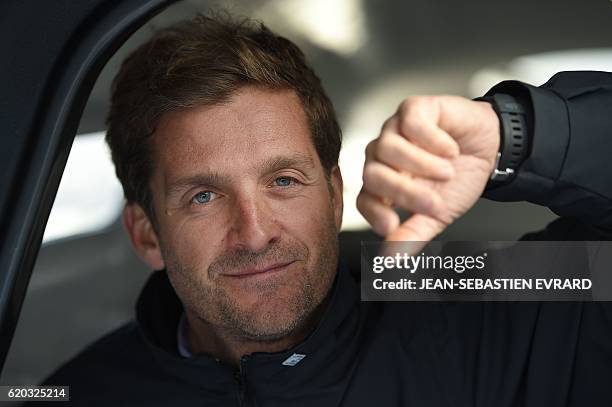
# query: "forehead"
[252,124]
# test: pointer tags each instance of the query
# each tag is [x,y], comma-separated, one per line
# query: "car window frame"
[56,55]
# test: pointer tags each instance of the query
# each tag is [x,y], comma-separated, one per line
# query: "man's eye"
[284,181]
[203,197]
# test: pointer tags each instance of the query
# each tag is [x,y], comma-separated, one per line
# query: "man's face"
[247,221]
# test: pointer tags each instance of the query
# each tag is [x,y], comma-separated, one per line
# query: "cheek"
[306,217]
[191,243]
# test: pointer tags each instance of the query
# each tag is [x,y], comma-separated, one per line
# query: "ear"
[143,236]
[337,195]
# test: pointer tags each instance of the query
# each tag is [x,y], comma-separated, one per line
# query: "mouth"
[256,272]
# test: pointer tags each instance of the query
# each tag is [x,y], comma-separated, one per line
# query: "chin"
[273,315]
[271,325]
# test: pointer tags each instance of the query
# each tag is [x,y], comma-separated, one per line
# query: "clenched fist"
[433,158]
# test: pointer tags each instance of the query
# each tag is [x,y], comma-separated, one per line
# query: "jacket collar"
[158,311]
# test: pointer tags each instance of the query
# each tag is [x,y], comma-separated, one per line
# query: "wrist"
[490,127]
[512,137]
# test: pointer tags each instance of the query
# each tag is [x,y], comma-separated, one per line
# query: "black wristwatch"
[514,135]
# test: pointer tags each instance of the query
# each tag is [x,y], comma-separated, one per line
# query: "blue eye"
[203,197]
[283,181]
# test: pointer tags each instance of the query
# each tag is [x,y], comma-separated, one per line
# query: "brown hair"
[204,61]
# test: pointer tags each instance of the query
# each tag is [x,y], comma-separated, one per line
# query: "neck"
[224,345]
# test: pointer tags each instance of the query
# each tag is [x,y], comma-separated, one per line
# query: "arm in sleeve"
[569,164]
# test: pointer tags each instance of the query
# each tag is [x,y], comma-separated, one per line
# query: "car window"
[89,198]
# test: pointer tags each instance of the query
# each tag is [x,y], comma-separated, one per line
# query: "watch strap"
[513,135]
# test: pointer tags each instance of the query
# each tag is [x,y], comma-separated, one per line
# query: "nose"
[253,225]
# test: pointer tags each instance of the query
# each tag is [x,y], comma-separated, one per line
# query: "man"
[227,146]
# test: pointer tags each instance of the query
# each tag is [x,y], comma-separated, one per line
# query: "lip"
[261,271]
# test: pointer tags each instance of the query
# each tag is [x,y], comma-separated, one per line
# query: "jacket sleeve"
[569,165]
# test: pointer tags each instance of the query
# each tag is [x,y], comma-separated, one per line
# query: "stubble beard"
[284,310]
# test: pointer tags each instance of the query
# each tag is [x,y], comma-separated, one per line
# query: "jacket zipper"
[240,377]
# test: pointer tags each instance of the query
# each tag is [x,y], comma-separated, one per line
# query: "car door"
[52,53]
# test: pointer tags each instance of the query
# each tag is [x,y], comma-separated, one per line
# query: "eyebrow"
[295,160]
[214,179]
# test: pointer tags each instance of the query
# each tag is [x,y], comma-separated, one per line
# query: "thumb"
[417,228]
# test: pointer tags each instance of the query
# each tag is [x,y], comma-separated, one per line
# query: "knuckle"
[387,123]
[412,124]
[405,107]
[370,174]
[413,104]
[385,147]
[359,203]
[370,148]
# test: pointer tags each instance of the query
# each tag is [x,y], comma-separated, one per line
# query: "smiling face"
[247,220]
